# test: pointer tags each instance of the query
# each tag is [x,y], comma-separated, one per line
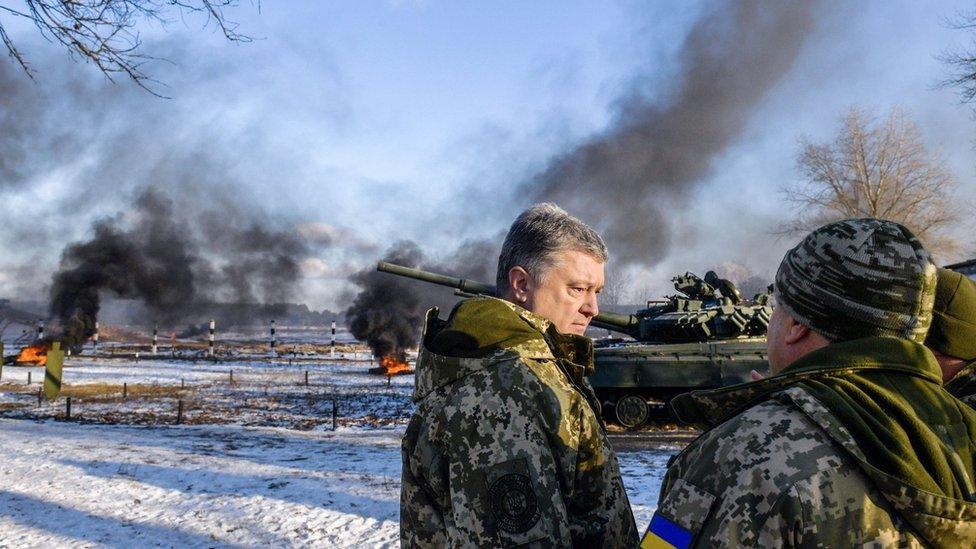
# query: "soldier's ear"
[795,332]
[520,284]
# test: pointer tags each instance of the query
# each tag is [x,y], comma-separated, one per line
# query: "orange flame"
[34,354]
[390,366]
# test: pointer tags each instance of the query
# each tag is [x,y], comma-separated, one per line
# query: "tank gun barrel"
[461,284]
[627,324]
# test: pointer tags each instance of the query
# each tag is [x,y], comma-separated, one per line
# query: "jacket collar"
[435,370]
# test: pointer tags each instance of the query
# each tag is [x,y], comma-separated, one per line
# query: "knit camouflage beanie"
[953,329]
[859,278]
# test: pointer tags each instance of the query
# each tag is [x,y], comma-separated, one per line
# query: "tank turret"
[699,312]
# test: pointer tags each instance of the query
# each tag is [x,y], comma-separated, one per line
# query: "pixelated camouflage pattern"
[963,384]
[686,505]
[859,278]
[783,471]
[509,449]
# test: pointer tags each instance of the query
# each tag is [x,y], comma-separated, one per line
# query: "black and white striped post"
[40,330]
[332,350]
[155,339]
[210,343]
[274,342]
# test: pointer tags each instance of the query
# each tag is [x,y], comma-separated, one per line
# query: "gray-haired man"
[507,446]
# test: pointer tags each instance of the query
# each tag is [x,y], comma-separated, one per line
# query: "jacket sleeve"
[421,493]
[501,470]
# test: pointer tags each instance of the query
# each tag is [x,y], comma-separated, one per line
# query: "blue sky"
[391,120]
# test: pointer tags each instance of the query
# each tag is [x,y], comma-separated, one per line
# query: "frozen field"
[257,466]
[247,392]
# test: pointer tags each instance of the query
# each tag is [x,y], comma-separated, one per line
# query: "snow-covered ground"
[202,486]
[258,466]
[69,484]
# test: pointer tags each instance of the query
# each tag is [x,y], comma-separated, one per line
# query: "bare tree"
[616,287]
[961,62]
[875,169]
[104,32]
[647,293]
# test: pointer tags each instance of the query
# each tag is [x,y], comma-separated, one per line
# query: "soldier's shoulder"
[770,420]
[768,461]
[509,382]
[772,435]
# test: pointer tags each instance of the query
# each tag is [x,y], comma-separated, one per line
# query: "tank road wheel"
[631,411]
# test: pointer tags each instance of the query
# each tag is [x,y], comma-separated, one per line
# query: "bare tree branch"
[874,169]
[961,62]
[104,32]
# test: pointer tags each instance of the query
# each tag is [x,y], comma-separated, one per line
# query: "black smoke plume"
[617,180]
[656,153]
[388,311]
[161,254]
[190,244]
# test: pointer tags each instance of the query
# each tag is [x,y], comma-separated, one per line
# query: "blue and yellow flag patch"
[665,534]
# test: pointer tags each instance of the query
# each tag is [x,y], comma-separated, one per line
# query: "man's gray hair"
[537,235]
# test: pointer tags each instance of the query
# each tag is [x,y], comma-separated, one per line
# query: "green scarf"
[897,412]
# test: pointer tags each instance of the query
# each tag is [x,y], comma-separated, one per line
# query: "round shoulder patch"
[513,503]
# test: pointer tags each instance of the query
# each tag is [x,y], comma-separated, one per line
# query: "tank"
[705,336]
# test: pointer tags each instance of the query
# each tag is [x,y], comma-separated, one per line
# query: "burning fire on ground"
[34,354]
[391,366]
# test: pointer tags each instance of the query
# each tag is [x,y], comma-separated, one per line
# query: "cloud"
[313,267]
[320,233]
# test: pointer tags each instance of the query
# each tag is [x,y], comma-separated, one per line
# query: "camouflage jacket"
[963,384]
[508,448]
[780,469]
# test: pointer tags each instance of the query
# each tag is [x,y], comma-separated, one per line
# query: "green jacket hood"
[484,331]
[881,400]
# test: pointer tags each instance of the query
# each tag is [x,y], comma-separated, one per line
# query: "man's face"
[567,293]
